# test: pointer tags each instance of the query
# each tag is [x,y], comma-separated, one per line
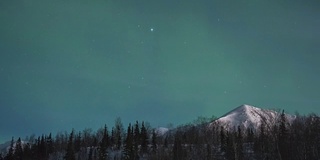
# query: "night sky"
[77,63]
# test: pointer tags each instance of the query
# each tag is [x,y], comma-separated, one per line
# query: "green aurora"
[75,64]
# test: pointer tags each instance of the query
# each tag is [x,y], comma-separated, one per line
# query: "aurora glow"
[76,64]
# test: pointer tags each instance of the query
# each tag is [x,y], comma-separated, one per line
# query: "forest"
[203,139]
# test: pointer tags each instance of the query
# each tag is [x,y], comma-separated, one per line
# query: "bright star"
[151,29]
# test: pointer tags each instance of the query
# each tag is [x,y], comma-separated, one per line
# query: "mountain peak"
[247,116]
[245,108]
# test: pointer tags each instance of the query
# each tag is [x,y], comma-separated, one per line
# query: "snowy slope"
[161,131]
[249,116]
[6,146]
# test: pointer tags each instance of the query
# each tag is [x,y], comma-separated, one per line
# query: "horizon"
[79,64]
[168,125]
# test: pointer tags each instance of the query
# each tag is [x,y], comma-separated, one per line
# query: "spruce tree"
[239,144]
[18,153]
[144,138]
[154,141]
[70,148]
[112,137]
[10,154]
[27,152]
[38,152]
[93,146]
[260,145]
[103,146]
[223,140]
[283,137]
[250,139]
[42,147]
[136,140]
[119,139]
[177,147]
[118,133]
[50,148]
[128,146]
[77,142]
[230,146]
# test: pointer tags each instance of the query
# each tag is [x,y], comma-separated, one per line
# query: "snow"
[6,146]
[161,131]
[247,116]
[3,147]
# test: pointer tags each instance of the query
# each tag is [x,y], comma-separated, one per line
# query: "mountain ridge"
[248,116]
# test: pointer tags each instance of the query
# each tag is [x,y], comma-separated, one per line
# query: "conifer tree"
[34,150]
[70,148]
[49,145]
[42,147]
[283,137]
[103,146]
[260,146]
[177,147]
[223,140]
[144,138]
[38,148]
[118,133]
[239,144]
[112,137]
[154,141]
[18,153]
[230,146]
[128,146]
[10,154]
[136,140]
[27,152]
[119,139]
[77,142]
[93,146]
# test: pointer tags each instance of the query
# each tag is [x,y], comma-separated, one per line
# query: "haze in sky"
[80,63]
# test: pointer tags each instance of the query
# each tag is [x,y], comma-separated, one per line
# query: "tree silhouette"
[70,148]
[144,138]
[136,140]
[154,141]
[128,147]
[103,146]
[10,153]
[283,137]
[18,153]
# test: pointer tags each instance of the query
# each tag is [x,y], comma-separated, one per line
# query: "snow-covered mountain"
[6,146]
[161,131]
[249,116]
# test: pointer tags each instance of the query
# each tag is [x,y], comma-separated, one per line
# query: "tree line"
[204,139]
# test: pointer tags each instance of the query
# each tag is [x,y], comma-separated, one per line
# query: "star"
[151,29]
